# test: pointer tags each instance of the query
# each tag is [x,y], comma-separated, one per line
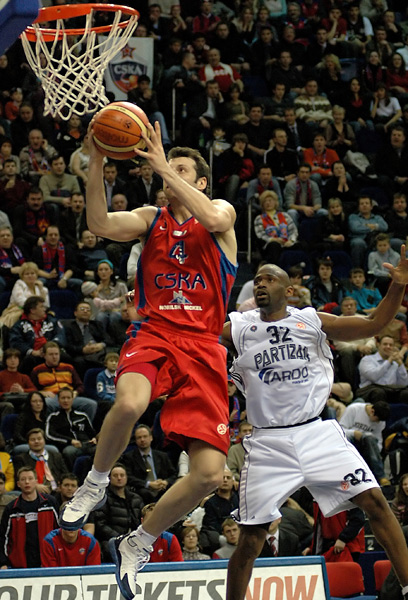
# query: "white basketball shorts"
[280,461]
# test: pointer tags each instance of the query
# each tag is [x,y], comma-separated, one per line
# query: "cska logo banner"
[123,71]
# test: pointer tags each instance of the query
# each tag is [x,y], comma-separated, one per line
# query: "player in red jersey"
[184,277]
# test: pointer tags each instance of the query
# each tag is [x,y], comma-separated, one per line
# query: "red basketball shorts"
[192,372]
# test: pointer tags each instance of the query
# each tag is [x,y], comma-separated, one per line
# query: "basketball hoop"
[71,62]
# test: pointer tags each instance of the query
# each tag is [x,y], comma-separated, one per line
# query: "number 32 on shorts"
[359,476]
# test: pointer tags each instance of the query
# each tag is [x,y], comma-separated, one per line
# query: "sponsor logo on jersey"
[81,551]
[178,298]
[300,325]
[276,354]
[178,233]
[222,429]
[345,485]
[180,281]
[269,376]
[253,328]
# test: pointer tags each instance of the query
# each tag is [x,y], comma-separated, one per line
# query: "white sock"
[145,537]
[98,477]
[405,590]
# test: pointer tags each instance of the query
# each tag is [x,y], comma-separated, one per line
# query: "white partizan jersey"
[283,367]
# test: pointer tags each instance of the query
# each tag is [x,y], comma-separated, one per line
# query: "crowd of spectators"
[302,110]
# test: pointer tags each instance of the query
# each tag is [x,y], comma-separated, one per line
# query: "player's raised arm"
[350,328]
[216,216]
[120,226]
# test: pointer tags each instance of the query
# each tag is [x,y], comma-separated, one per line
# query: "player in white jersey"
[283,366]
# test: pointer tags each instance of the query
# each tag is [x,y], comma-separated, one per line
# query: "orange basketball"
[118,129]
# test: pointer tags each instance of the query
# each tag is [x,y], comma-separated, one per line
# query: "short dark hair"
[201,165]
[25,469]
[325,262]
[35,190]
[361,196]
[65,389]
[382,237]
[142,78]
[50,344]
[228,522]
[356,270]
[142,426]
[240,137]
[295,271]
[382,410]
[67,475]
[32,302]
[109,165]
[11,352]
[33,431]
[304,165]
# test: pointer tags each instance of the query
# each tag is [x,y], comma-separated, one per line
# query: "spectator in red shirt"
[224,74]
[11,381]
[206,21]
[63,548]
[320,158]
[167,547]
[396,77]
[335,25]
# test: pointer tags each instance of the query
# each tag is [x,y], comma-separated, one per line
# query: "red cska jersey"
[183,276]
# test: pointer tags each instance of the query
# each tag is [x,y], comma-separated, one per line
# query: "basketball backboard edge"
[15,16]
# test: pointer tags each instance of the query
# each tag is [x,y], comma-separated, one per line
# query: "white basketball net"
[73,81]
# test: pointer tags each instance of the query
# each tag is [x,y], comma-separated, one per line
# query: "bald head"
[272,288]
[276,271]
